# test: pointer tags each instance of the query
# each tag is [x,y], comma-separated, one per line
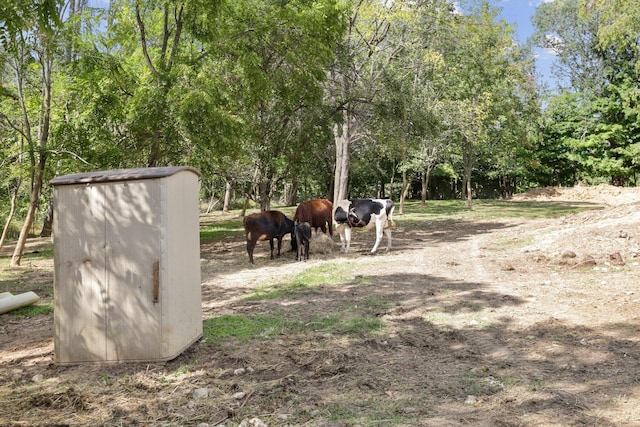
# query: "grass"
[32,310]
[441,210]
[243,327]
[215,232]
[371,412]
[302,283]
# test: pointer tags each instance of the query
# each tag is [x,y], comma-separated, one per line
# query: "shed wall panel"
[132,238]
[182,304]
[80,274]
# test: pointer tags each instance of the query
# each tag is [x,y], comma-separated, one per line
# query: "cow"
[364,213]
[303,237]
[317,213]
[267,225]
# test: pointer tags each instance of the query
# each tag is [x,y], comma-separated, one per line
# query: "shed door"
[133,247]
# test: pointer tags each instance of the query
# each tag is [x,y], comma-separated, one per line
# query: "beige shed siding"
[182,302]
[107,237]
[79,262]
[133,226]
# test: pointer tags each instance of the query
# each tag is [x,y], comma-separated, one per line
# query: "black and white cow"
[364,213]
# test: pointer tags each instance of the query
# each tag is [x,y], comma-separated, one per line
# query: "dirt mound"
[603,193]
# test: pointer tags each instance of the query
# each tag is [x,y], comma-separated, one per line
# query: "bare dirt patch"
[503,322]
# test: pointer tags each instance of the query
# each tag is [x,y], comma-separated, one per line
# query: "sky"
[518,14]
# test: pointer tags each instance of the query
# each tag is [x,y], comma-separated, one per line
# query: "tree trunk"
[343,157]
[291,193]
[43,137]
[12,212]
[264,194]
[425,185]
[31,213]
[227,196]
[404,192]
[467,161]
[47,226]
[245,206]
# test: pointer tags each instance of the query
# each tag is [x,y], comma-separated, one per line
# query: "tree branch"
[143,39]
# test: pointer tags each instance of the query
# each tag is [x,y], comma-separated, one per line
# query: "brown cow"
[318,213]
[268,225]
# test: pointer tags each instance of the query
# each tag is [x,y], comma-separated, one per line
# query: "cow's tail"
[389,208]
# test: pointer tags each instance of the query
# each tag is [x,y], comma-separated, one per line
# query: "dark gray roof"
[120,175]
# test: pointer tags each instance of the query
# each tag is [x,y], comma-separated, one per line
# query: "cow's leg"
[251,245]
[387,231]
[279,244]
[379,231]
[347,238]
[340,229]
[300,248]
[271,245]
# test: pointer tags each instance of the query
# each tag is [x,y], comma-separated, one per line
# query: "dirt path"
[485,323]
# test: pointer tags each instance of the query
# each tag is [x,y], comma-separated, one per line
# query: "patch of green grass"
[185,368]
[218,231]
[245,328]
[321,323]
[46,252]
[537,384]
[436,210]
[325,274]
[371,412]
[242,327]
[360,324]
[377,304]
[32,310]
[343,322]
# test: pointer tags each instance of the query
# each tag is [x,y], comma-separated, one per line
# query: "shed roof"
[120,175]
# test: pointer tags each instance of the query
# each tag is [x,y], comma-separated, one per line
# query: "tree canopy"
[296,99]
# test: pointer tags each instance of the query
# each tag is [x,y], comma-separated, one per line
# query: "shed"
[127,265]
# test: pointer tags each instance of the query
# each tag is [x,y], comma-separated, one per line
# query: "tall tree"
[483,69]
[30,40]
[361,59]
[601,61]
[275,57]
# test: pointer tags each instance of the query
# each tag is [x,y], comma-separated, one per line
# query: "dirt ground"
[503,322]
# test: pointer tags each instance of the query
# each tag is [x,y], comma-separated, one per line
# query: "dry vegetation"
[495,322]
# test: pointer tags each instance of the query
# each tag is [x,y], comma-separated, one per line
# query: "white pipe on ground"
[12,302]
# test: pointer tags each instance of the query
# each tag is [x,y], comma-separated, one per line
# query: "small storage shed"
[127,265]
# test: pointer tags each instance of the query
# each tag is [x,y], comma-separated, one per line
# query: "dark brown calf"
[303,238]
[267,225]
[318,213]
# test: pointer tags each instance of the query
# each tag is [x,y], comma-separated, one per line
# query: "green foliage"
[590,130]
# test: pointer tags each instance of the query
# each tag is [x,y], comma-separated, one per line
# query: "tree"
[602,62]
[275,58]
[29,37]
[484,67]
[361,59]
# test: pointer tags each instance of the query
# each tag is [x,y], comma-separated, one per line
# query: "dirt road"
[511,322]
